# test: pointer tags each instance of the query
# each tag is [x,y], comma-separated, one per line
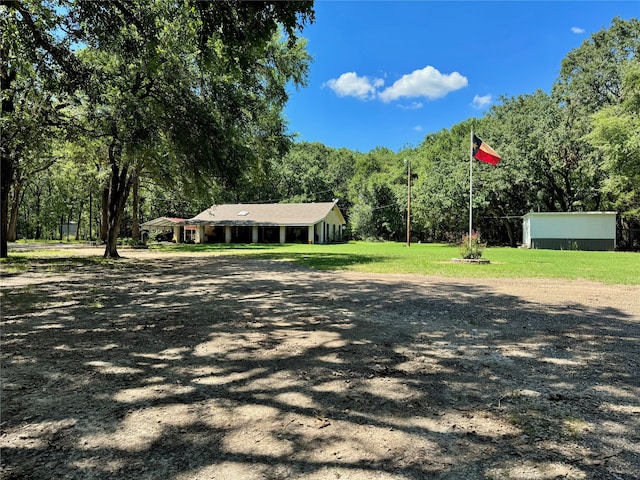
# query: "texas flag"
[484,153]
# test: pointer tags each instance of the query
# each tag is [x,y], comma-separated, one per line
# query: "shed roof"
[162,222]
[244,214]
[567,214]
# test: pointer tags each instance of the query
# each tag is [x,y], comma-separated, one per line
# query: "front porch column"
[311,234]
[176,233]
[283,234]
[254,234]
[199,234]
[227,234]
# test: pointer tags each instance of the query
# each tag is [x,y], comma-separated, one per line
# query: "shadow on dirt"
[253,368]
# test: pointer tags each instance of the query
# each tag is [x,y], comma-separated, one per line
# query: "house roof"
[162,222]
[245,214]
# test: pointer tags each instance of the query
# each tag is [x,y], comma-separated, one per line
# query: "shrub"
[473,248]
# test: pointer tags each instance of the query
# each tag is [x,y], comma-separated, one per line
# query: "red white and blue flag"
[484,153]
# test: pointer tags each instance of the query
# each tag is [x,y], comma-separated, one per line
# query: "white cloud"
[411,106]
[428,82]
[418,128]
[481,101]
[351,85]
[577,30]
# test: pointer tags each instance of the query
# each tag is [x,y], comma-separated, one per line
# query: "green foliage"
[591,75]
[441,189]
[197,110]
[377,191]
[168,88]
[616,133]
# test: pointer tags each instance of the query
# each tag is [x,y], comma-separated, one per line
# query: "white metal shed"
[569,230]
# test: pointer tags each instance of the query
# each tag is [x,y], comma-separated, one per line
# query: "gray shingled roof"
[162,222]
[244,214]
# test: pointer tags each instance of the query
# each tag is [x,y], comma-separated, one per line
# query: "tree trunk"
[69,224]
[12,226]
[38,194]
[512,239]
[104,215]
[90,216]
[7,162]
[504,220]
[79,219]
[119,186]
[111,246]
[135,201]
[7,175]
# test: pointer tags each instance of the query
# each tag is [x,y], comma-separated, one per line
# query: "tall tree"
[441,192]
[31,100]
[591,75]
[378,205]
[616,134]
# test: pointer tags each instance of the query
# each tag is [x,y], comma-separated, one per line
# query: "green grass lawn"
[434,259]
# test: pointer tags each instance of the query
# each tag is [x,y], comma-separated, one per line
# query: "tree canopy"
[193,87]
[182,102]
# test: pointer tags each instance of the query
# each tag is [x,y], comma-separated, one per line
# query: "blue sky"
[386,73]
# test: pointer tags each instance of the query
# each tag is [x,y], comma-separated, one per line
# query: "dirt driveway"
[201,367]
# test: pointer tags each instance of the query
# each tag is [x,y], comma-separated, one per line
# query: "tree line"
[135,118]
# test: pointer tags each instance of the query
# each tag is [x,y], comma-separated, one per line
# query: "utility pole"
[90,213]
[408,162]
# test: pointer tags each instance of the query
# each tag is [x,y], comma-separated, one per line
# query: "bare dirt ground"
[201,367]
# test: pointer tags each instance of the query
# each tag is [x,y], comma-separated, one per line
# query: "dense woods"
[118,112]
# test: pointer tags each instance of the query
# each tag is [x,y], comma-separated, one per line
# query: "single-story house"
[269,223]
[569,230]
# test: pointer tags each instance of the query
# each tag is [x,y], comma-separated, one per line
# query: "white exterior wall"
[526,230]
[333,223]
[568,225]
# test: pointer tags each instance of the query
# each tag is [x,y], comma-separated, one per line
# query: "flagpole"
[470,186]
[408,162]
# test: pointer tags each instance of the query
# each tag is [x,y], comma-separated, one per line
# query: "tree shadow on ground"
[324,260]
[250,368]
